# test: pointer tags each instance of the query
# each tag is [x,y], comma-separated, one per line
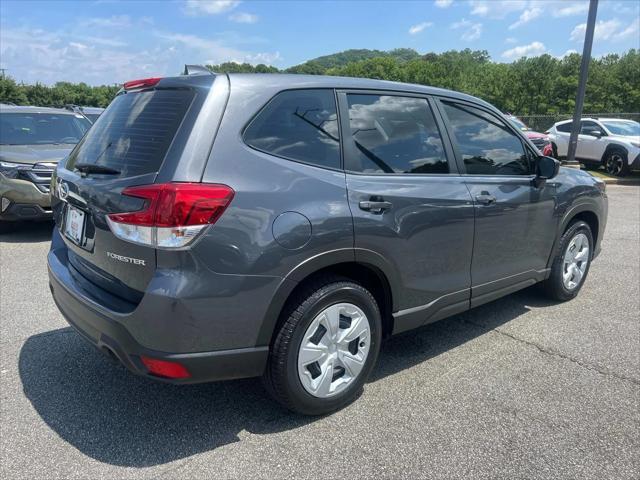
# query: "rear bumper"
[110,336]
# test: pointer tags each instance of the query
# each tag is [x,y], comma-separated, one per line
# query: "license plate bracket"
[74,225]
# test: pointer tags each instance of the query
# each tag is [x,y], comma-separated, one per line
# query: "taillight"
[173,213]
[141,83]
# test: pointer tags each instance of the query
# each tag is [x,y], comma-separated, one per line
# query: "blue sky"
[107,41]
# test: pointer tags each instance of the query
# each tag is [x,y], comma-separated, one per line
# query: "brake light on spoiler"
[141,83]
[173,213]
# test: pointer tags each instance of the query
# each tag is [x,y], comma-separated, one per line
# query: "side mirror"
[546,169]
[593,133]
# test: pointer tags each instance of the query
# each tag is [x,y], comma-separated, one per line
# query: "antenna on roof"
[196,70]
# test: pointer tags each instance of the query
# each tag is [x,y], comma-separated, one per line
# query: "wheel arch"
[362,267]
[613,146]
[585,212]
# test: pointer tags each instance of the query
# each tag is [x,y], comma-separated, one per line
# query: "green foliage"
[62,93]
[529,86]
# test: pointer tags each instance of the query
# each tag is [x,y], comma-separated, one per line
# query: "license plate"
[74,224]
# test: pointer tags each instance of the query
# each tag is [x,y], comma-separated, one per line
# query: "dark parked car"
[32,141]
[223,226]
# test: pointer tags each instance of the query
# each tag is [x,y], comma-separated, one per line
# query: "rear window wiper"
[87,168]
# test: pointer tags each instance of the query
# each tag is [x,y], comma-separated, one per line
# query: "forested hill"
[528,86]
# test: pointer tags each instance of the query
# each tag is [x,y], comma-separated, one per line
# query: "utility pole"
[2,72]
[582,84]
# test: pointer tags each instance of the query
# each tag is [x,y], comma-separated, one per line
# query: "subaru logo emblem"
[63,190]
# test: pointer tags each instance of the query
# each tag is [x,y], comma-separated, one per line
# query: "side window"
[487,145]
[300,125]
[565,127]
[587,127]
[394,134]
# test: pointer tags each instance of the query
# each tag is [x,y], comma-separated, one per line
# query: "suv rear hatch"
[142,136]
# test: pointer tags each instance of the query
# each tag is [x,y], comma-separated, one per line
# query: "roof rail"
[196,70]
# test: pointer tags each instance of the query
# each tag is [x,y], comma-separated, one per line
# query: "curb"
[619,181]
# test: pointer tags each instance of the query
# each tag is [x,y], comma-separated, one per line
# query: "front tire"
[615,163]
[326,347]
[571,264]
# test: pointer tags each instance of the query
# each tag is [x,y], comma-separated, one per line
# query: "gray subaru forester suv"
[213,227]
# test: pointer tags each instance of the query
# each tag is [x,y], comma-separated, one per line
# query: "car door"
[590,145]
[409,205]
[515,221]
[561,138]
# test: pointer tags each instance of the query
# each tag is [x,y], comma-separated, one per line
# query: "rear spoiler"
[196,70]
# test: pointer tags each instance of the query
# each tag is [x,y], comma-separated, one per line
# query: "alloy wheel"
[614,164]
[334,350]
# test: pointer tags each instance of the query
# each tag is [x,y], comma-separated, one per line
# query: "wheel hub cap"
[334,350]
[575,262]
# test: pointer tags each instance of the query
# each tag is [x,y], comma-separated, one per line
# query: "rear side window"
[394,134]
[134,132]
[565,127]
[487,145]
[301,125]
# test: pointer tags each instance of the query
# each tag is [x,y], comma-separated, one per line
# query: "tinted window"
[134,132]
[41,128]
[486,144]
[394,135]
[565,127]
[587,126]
[298,124]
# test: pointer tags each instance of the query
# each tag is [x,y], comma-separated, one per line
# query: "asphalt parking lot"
[519,388]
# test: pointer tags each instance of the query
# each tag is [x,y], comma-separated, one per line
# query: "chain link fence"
[541,123]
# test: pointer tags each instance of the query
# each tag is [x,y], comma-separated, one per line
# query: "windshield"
[519,125]
[41,128]
[627,129]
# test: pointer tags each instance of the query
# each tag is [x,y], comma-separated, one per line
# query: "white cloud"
[532,50]
[571,51]
[632,31]
[526,16]
[115,21]
[471,31]
[73,54]
[209,7]
[415,29]
[243,17]
[577,8]
[605,29]
[443,3]
[496,8]
[213,51]
[510,40]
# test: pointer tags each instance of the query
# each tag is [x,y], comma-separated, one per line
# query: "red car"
[540,140]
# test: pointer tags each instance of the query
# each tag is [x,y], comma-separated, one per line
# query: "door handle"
[485,199]
[375,206]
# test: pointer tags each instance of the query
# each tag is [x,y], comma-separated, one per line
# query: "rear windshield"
[41,128]
[134,133]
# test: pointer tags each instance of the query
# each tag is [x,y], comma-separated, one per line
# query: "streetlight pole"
[582,84]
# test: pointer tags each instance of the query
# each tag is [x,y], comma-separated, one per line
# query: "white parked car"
[611,142]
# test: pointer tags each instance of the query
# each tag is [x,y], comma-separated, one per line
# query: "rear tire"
[326,310]
[571,263]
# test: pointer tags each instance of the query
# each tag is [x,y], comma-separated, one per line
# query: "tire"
[556,286]
[7,227]
[554,150]
[292,385]
[615,162]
